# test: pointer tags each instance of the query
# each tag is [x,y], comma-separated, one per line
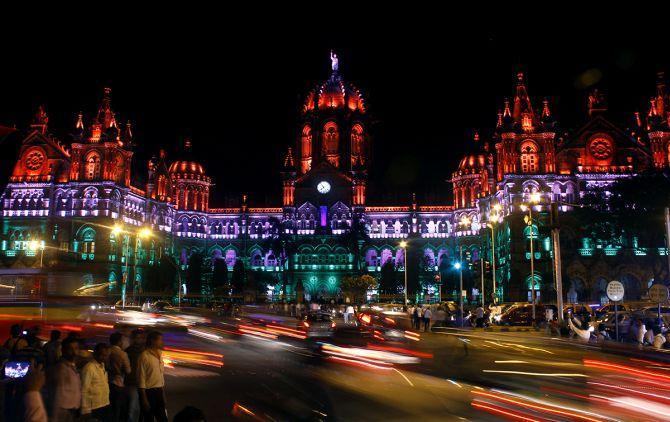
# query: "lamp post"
[143,233]
[116,231]
[494,218]
[534,199]
[465,221]
[34,245]
[403,245]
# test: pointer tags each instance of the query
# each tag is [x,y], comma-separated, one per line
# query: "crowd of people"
[633,330]
[122,380]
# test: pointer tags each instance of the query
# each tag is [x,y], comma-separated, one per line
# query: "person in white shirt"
[34,410]
[349,314]
[95,385]
[659,338]
[151,381]
[65,384]
[427,314]
[479,314]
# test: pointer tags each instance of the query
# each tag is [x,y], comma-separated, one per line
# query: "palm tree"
[282,244]
[354,239]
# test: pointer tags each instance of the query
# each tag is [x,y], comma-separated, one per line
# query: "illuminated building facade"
[72,221]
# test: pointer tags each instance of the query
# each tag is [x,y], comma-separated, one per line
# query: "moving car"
[523,314]
[318,324]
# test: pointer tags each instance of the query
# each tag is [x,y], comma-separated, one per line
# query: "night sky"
[234,84]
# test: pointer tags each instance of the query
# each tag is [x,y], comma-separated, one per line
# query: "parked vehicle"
[609,307]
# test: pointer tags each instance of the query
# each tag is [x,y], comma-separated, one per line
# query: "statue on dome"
[334,61]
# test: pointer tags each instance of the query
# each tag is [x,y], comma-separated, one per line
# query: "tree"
[237,280]
[219,275]
[354,239]
[194,273]
[388,283]
[357,285]
[282,245]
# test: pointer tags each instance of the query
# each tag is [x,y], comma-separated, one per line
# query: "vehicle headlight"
[497,317]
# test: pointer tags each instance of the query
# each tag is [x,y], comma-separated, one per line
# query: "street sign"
[615,290]
[658,293]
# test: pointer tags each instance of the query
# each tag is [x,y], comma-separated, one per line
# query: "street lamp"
[465,221]
[494,218]
[34,245]
[403,245]
[534,199]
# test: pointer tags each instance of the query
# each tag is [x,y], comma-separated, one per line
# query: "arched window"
[330,138]
[119,169]
[88,242]
[357,144]
[306,142]
[529,157]
[92,166]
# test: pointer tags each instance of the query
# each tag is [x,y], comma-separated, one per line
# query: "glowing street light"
[457,265]
[145,233]
[534,199]
[403,245]
[495,217]
[34,245]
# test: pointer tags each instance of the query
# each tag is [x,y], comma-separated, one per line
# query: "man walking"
[151,382]
[427,315]
[95,385]
[66,384]
[137,345]
[118,368]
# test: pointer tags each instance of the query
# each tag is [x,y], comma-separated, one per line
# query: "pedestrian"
[95,385]
[624,327]
[118,368]
[33,337]
[659,338]
[66,384]
[34,410]
[52,349]
[416,318]
[151,382]
[602,334]
[137,346]
[427,314]
[479,314]
[349,314]
[648,338]
[15,342]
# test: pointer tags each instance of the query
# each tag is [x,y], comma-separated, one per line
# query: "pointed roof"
[521,116]
[288,161]
[658,117]
[40,121]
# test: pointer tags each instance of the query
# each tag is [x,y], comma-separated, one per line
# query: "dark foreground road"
[269,375]
[458,375]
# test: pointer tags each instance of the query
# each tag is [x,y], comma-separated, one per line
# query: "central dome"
[334,93]
[184,166]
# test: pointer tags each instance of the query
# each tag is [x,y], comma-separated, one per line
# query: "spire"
[40,121]
[288,161]
[105,114]
[475,138]
[545,109]
[127,135]
[507,112]
[523,114]
[499,122]
[638,120]
[80,121]
[661,95]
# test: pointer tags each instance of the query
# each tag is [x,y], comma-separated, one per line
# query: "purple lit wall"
[323,211]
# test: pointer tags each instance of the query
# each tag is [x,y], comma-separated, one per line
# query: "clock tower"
[332,150]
